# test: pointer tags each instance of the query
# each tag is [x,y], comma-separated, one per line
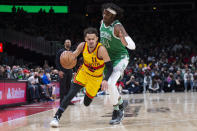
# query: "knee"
[87,100]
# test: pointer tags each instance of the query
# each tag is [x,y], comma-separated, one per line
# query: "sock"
[120,101]
[116,107]
[59,112]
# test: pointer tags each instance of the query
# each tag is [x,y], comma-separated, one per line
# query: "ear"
[85,39]
[97,38]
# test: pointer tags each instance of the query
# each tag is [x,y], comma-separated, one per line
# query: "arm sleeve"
[109,70]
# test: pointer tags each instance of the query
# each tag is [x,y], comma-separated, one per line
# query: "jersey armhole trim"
[97,53]
[84,47]
[113,31]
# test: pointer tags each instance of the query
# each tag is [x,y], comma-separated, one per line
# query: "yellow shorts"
[91,83]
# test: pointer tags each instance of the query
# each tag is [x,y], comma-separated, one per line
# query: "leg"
[144,87]
[68,83]
[37,95]
[62,87]
[112,90]
[185,85]
[115,97]
[87,100]
[64,104]
[192,85]
[31,92]
[67,98]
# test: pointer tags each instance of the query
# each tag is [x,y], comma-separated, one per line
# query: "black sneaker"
[124,105]
[117,117]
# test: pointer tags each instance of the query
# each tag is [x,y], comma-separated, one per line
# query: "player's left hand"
[104,85]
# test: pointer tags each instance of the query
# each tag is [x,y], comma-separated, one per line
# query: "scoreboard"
[34,8]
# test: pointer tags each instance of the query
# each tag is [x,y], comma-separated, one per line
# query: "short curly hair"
[113,6]
[90,30]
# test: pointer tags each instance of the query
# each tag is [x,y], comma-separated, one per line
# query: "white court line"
[138,124]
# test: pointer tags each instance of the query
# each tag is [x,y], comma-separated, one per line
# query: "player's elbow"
[133,46]
[130,43]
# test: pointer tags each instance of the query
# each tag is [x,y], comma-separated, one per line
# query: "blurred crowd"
[39,80]
[165,59]
[165,68]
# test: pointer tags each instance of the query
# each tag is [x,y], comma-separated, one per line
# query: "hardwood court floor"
[146,112]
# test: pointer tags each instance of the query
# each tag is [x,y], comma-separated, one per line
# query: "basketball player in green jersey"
[114,37]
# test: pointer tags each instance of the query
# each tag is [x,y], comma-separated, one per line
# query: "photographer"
[132,85]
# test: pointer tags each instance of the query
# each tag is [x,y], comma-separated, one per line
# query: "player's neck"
[90,49]
[108,23]
[67,48]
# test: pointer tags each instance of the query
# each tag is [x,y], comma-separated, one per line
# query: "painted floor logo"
[158,109]
[136,101]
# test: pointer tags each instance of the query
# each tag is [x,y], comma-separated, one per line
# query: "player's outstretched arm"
[79,49]
[126,40]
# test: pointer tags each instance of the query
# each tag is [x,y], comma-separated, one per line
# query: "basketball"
[68,60]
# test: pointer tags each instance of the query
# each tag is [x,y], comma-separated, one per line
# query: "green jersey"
[113,44]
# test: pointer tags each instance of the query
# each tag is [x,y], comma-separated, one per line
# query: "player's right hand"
[61,74]
[104,85]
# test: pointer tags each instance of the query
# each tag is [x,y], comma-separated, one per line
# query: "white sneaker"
[54,123]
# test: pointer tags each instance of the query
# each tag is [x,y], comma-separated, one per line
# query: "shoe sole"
[53,125]
[115,123]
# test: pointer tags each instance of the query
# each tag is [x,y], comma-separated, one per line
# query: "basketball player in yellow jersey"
[90,74]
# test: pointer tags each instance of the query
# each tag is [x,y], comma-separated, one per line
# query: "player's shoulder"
[101,48]
[118,25]
[82,44]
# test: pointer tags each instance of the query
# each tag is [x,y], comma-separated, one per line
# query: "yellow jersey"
[93,65]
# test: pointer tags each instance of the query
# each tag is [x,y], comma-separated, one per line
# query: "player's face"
[67,43]
[91,39]
[107,17]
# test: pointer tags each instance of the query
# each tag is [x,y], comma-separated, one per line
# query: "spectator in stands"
[195,81]
[26,74]
[156,82]
[147,81]
[132,85]
[2,72]
[20,74]
[42,88]
[179,81]
[170,83]
[49,88]
[188,80]
[54,75]
[8,72]
[14,73]
[33,88]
